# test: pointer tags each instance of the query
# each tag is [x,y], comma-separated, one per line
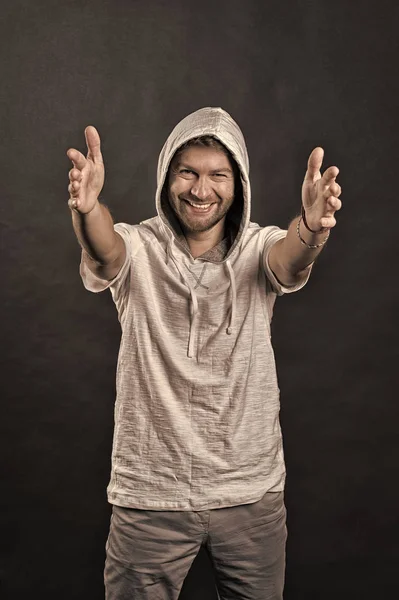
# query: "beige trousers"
[149,553]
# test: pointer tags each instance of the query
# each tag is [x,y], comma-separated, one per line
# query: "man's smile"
[197,208]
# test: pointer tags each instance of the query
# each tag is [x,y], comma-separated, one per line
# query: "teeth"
[203,206]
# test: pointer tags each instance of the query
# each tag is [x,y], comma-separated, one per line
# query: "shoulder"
[150,228]
[140,234]
[265,236]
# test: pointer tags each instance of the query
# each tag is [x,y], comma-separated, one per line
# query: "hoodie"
[197,407]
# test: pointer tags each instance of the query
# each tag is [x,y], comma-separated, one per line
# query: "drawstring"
[194,315]
[168,251]
[233,289]
[194,300]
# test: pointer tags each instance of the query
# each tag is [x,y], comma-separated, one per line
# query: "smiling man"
[201,191]
[197,456]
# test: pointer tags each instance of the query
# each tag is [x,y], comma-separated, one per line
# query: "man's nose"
[201,188]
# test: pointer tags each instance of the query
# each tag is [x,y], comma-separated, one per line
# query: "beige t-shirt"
[197,407]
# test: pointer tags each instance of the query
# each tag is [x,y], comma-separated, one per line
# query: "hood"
[218,123]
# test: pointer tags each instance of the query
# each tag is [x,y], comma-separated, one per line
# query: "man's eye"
[220,175]
[185,171]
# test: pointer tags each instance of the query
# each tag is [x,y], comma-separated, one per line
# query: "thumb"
[314,164]
[93,143]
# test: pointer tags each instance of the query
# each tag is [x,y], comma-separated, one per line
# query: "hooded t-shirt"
[197,407]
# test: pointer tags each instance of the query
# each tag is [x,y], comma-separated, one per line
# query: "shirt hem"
[187,505]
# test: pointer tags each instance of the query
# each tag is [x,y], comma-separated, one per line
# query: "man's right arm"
[105,249]
[92,220]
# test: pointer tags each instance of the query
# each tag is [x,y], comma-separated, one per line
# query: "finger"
[332,190]
[77,158]
[314,164]
[75,175]
[73,188]
[328,222]
[93,144]
[332,205]
[73,203]
[329,176]
[335,189]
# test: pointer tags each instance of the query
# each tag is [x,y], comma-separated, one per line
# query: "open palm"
[320,193]
[87,175]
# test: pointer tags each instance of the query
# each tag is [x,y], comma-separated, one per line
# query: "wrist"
[96,208]
[84,212]
[313,243]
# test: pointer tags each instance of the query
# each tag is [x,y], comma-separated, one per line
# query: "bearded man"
[197,455]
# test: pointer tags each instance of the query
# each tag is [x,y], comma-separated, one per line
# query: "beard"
[197,223]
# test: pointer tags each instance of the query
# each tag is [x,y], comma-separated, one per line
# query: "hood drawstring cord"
[169,250]
[194,299]
[233,289]
[193,326]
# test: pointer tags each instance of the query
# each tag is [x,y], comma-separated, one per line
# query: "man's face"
[201,188]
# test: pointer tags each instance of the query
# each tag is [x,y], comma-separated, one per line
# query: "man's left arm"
[291,257]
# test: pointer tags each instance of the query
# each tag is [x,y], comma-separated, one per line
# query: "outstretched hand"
[87,176]
[320,193]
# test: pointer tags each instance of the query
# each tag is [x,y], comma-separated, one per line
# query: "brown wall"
[294,74]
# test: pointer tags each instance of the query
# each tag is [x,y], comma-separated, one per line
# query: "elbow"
[290,276]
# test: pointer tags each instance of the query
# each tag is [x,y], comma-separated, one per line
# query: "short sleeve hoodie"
[197,407]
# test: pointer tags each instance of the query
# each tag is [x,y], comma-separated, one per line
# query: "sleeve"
[95,284]
[273,234]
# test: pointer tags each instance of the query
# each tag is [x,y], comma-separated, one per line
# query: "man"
[197,455]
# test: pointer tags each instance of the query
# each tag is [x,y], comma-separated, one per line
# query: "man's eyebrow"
[179,165]
[223,170]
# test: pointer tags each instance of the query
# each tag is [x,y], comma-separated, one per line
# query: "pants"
[149,553]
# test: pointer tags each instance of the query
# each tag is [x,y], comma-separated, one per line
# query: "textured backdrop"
[294,74]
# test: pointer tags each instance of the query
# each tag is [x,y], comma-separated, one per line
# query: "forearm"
[96,234]
[290,257]
[295,255]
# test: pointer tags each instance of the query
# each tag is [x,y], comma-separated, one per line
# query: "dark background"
[294,74]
